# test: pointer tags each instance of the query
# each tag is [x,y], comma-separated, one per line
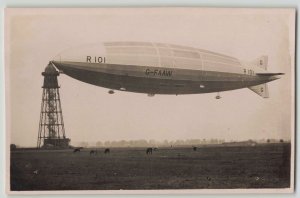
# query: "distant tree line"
[167,143]
[152,143]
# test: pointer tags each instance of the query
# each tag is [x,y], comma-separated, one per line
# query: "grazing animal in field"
[149,151]
[194,148]
[36,172]
[76,150]
[107,151]
[155,149]
[93,152]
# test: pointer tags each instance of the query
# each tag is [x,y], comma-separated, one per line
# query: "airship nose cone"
[78,56]
[58,65]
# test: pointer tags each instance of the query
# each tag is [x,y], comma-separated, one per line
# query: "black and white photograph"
[160,100]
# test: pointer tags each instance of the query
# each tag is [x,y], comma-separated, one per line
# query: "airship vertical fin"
[262,62]
[261,90]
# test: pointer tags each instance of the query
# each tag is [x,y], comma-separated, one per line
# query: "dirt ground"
[261,166]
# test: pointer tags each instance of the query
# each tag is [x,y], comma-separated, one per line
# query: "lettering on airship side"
[95,59]
[158,72]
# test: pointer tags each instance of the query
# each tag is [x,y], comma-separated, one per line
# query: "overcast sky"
[35,36]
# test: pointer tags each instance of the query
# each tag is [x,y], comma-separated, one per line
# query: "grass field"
[261,166]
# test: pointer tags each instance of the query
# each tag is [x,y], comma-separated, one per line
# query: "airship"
[159,68]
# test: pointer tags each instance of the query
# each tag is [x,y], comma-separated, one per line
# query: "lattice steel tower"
[51,127]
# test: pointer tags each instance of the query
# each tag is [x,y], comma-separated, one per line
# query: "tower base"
[55,143]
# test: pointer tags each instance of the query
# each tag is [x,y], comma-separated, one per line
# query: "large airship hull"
[157,80]
[156,68]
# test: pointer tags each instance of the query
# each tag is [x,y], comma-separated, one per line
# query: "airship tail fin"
[261,90]
[262,62]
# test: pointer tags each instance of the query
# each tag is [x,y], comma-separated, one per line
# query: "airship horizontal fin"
[262,62]
[261,90]
[269,74]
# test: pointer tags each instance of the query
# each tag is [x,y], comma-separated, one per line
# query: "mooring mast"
[51,127]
